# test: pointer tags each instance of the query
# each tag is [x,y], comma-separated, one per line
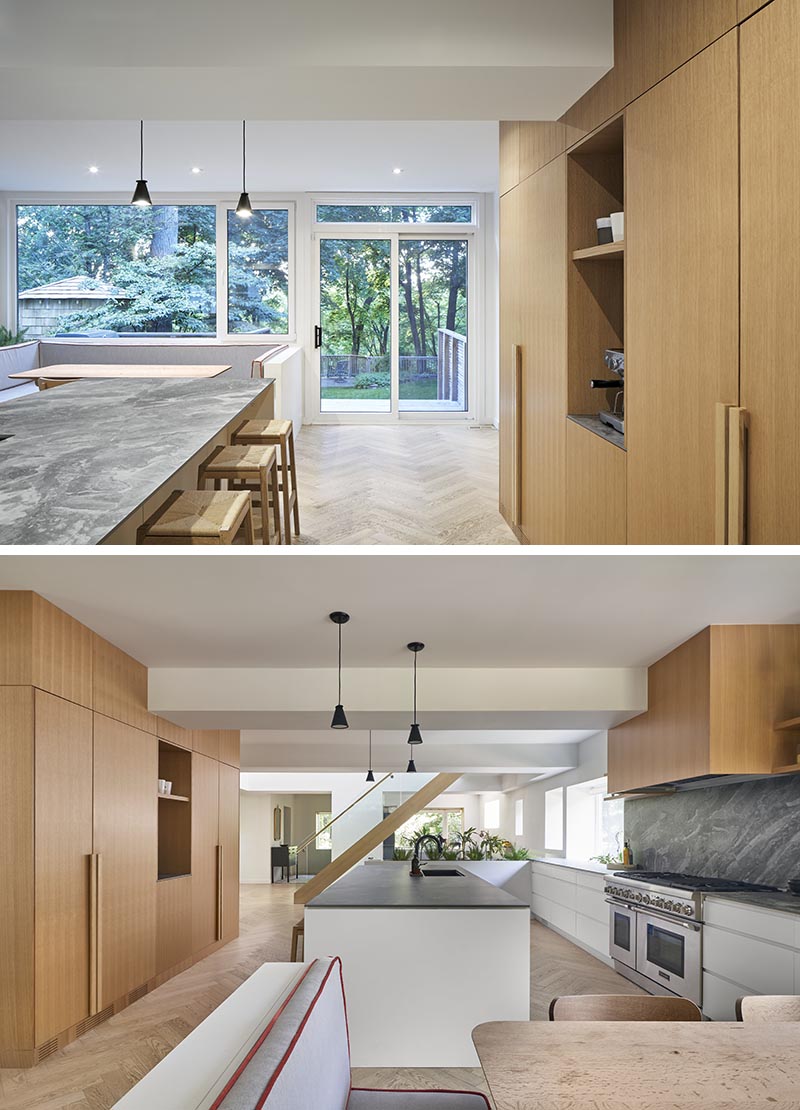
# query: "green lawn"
[421,391]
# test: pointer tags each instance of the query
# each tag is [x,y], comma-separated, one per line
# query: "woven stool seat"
[198,516]
[267,431]
[252,467]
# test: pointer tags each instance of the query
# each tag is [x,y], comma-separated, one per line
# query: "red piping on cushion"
[261,1039]
[264,1094]
[421,1091]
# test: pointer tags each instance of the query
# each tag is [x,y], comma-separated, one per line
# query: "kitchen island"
[87,462]
[425,960]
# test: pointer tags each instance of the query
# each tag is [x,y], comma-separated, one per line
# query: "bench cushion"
[363,1099]
[302,1058]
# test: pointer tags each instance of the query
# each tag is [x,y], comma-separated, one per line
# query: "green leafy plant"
[513,851]
[10,338]
[375,379]
[401,853]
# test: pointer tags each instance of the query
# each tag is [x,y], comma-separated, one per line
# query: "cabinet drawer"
[558,916]
[762,968]
[562,893]
[781,928]
[592,903]
[592,933]
[591,880]
[719,998]
[555,871]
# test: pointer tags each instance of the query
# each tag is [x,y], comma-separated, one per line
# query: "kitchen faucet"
[437,840]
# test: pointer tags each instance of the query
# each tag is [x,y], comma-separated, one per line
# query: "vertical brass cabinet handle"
[730,501]
[721,473]
[94,933]
[516,503]
[219,892]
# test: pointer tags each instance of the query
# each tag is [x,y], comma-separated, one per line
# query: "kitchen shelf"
[792,725]
[173,797]
[603,250]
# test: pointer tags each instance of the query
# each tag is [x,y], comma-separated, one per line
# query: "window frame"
[221,204]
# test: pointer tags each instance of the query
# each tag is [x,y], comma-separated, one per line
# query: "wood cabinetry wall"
[88,926]
[707,311]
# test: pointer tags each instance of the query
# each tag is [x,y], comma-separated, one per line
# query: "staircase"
[376,836]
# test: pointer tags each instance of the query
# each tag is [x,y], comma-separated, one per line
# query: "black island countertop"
[390,886]
[83,457]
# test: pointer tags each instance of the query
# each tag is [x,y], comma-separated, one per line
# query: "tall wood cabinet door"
[205,842]
[126,839]
[682,297]
[543,314]
[510,336]
[229,840]
[63,848]
[770,128]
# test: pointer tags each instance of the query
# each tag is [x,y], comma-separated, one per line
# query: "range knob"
[687,911]
[646,899]
[638,896]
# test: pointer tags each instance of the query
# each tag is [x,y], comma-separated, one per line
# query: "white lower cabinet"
[747,950]
[573,902]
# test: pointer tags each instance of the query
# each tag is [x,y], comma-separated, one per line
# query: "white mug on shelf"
[167,786]
[162,785]
[618,226]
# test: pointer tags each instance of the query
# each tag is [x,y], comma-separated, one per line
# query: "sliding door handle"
[94,933]
[516,502]
[220,904]
[317,337]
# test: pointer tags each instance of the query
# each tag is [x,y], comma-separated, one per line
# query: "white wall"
[592,764]
[255,837]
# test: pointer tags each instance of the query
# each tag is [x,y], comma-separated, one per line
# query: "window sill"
[169,341]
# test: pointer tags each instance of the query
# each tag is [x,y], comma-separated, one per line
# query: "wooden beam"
[356,852]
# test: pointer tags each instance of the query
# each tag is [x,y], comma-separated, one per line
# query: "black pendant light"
[370,776]
[339,718]
[244,211]
[141,196]
[414,735]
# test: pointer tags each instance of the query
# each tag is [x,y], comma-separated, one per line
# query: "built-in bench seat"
[279,1041]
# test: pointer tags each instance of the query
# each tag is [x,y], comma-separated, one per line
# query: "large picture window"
[394,213]
[258,272]
[115,270]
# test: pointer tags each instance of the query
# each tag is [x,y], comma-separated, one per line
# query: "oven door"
[622,933]
[668,951]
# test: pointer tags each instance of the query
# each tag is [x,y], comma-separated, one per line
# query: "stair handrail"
[333,820]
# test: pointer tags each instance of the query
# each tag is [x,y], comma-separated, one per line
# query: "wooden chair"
[298,933]
[768,1007]
[280,434]
[243,465]
[622,1007]
[199,517]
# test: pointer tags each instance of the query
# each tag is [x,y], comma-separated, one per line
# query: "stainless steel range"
[656,928]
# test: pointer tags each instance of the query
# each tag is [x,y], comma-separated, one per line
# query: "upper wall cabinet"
[120,687]
[713,703]
[682,295]
[770,136]
[44,647]
[509,155]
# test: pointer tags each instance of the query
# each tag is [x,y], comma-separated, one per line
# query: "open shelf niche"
[596,274]
[174,811]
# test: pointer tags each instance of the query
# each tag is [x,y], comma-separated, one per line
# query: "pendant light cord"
[340,664]
[370,749]
[141,149]
[244,190]
[415,687]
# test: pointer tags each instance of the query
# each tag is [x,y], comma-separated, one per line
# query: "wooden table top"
[73,371]
[640,1065]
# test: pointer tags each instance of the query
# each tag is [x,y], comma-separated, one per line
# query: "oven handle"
[689,926]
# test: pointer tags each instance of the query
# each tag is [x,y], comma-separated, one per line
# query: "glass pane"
[355,314]
[622,931]
[554,819]
[665,949]
[433,325]
[394,213]
[116,270]
[258,273]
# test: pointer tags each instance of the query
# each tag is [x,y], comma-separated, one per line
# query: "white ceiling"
[510,609]
[311,59]
[282,156]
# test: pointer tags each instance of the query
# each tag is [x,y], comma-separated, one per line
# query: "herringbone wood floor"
[95,1071]
[412,484]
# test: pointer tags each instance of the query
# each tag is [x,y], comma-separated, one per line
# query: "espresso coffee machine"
[614,359]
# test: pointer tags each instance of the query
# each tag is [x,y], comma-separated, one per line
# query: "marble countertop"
[596,425]
[84,456]
[387,886]
[576,865]
[780,901]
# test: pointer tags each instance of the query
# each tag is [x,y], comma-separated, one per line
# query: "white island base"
[418,980]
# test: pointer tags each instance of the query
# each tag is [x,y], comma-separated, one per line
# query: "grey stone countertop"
[84,456]
[576,865]
[596,425]
[781,900]
[387,886]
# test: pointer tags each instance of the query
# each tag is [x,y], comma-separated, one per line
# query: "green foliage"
[513,851]
[401,853]
[10,338]
[607,860]
[377,379]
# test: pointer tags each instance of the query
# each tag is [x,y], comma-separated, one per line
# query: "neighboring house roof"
[73,288]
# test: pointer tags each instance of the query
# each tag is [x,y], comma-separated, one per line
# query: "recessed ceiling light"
[94,169]
[197,169]
[397,169]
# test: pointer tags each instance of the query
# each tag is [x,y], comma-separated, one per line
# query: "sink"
[444,873]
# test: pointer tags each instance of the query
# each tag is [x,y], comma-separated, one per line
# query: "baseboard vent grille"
[46,1049]
[138,993]
[93,1020]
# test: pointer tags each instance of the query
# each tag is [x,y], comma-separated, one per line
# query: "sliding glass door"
[393,324]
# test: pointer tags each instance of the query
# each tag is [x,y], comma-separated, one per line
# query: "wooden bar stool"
[298,932]
[199,517]
[242,465]
[277,433]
